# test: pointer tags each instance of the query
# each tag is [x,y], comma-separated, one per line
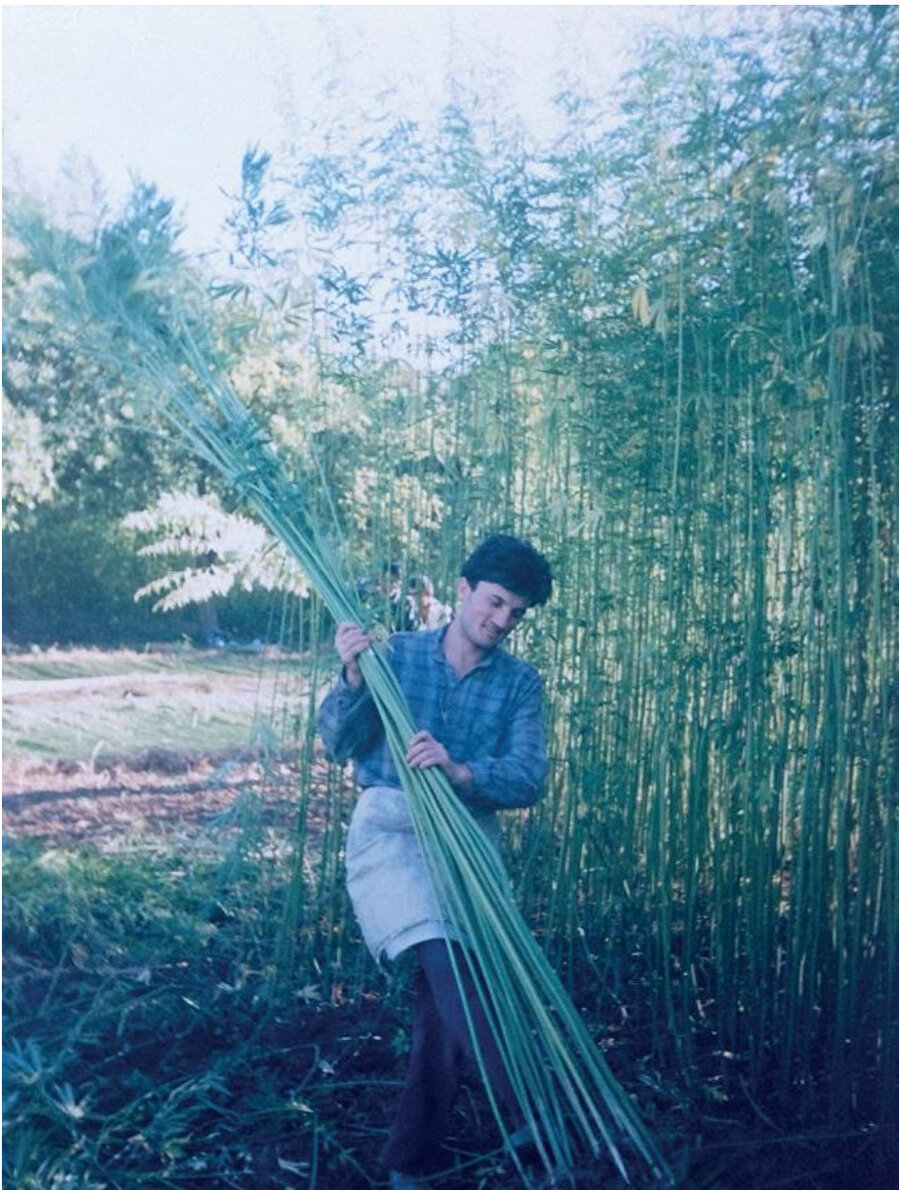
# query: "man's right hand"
[350,640]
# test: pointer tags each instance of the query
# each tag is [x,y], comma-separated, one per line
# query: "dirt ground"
[143,787]
[168,793]
[155,791]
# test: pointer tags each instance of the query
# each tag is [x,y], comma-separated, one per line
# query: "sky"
[174,94]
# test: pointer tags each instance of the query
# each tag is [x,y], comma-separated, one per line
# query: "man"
[424,610]
[480,718]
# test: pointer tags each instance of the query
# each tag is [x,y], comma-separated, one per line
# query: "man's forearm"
[348,721]
[460,776]
[352,675]
[510,783]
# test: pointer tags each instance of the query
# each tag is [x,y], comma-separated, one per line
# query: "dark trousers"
[441,1051]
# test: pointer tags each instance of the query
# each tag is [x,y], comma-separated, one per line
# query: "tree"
[77,457]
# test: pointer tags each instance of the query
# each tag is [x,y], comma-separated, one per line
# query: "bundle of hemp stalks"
[562,1083]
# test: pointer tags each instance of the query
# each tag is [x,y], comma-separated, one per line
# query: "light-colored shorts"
[393,893]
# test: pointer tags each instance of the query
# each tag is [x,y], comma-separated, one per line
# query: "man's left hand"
[425,752]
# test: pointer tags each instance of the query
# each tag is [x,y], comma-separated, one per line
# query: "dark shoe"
[522,1143]
[406,1181]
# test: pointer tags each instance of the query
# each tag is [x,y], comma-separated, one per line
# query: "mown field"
[85,704]
[102,743]
[165,1025]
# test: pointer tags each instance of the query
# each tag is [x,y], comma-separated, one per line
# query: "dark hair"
[420,582]
[513,564]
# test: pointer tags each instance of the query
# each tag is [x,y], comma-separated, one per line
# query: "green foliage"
[226,551]
[28,478]
[62,903]
[55,371]
[132,992]
[78,454]
[69,577]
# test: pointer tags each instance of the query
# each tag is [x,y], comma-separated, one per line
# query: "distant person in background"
[391,590]
[423,610]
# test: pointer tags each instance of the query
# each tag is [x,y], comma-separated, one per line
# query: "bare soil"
[144,788]
[155,790]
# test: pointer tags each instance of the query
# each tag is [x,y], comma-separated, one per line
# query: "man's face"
[488,613]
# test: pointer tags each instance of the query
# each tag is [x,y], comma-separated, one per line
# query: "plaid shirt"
[490,719]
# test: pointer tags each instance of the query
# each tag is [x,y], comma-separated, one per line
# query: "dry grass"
[97,707]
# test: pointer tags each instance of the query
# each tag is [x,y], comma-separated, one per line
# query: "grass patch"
[61,664]
[88,703]
[150,1044]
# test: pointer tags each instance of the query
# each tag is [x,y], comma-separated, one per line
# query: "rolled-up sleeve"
[348,722]
[513,778]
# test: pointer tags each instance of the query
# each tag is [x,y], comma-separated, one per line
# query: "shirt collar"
[440,657]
